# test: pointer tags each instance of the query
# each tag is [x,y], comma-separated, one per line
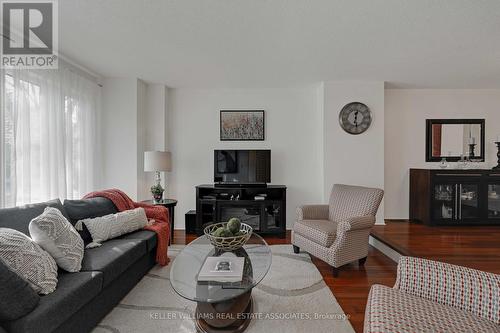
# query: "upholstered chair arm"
[464,288]
[351,241]
[356,223]
[312,212]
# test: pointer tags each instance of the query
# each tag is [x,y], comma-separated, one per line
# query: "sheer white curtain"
[49,135]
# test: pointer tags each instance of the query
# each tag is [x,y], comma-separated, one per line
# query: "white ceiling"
[237,43]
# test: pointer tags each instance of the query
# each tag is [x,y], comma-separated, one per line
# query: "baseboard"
[391,253]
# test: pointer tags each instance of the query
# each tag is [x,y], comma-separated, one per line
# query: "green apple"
[234,225]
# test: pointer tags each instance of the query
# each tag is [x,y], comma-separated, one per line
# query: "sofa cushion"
[391,310]
[88,209]
[58,237]
[19,218]
[113,257]
[145,235]
[322,232]
[73,292]
[18,298]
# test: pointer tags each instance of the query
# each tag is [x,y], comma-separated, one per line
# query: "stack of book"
[222,269]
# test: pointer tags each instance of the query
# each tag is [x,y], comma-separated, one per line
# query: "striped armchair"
[431,296]
[338,232]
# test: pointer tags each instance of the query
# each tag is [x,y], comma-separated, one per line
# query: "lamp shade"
[157,161]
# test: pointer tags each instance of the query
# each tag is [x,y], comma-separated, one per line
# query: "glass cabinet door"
[249,214]
[273,216]
[493,200]
[468,207]
[445,203]
[207,212]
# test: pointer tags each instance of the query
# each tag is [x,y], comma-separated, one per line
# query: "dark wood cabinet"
[455,197]
[219,204]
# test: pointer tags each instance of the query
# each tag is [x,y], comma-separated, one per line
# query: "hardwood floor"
[475,247]
[352,285]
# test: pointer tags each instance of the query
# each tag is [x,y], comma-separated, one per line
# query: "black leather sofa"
[108,272]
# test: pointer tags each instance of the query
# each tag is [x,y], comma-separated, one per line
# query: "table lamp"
[157,161]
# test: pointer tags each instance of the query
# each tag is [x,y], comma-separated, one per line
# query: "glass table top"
[187,264]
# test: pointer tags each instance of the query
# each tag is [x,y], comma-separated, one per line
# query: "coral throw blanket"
[159,213]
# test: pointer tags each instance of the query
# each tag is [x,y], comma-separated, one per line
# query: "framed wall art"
[242,125]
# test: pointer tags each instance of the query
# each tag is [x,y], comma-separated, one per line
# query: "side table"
[170,205]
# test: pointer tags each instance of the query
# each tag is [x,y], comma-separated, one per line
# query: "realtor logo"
[29,34]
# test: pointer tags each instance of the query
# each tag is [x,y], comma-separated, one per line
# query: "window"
[30,100]
[48,136]
[74,162]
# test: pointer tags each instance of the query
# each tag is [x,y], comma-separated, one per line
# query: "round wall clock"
[355,118]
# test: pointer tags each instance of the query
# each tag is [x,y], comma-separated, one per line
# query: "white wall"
[156,117]
[353,159]
[155,123]
[292,124]
[134,121]
[142,130]
[119,134]
[405,115]
[310,151]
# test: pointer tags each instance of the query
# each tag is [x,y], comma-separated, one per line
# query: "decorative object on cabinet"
[459,137]
[455,197]
[472,147]
[242,125]
[444,163]
[463,163]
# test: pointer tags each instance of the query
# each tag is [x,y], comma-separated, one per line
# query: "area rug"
[292,298]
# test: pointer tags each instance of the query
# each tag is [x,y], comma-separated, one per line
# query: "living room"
[347,150]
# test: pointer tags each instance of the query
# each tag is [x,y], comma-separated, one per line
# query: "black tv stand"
[260,205]
[261,185]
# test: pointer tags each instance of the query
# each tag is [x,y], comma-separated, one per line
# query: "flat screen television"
[242,166]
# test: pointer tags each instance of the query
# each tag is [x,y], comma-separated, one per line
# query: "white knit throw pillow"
[114,225]
[53,232]
[28,260]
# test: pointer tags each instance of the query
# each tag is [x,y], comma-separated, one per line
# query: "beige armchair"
[338,232]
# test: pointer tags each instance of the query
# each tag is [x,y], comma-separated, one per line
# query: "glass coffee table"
[221,307]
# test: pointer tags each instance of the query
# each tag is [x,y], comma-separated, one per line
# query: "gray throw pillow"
[28,260]
[114,225]
[53,232]
[16,295]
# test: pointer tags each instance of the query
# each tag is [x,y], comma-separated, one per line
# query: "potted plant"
[157,192]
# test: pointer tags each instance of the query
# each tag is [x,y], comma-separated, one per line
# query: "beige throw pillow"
[53,232]
[28,260]
[114,225]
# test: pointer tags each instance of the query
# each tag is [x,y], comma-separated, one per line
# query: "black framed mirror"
[453,138]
